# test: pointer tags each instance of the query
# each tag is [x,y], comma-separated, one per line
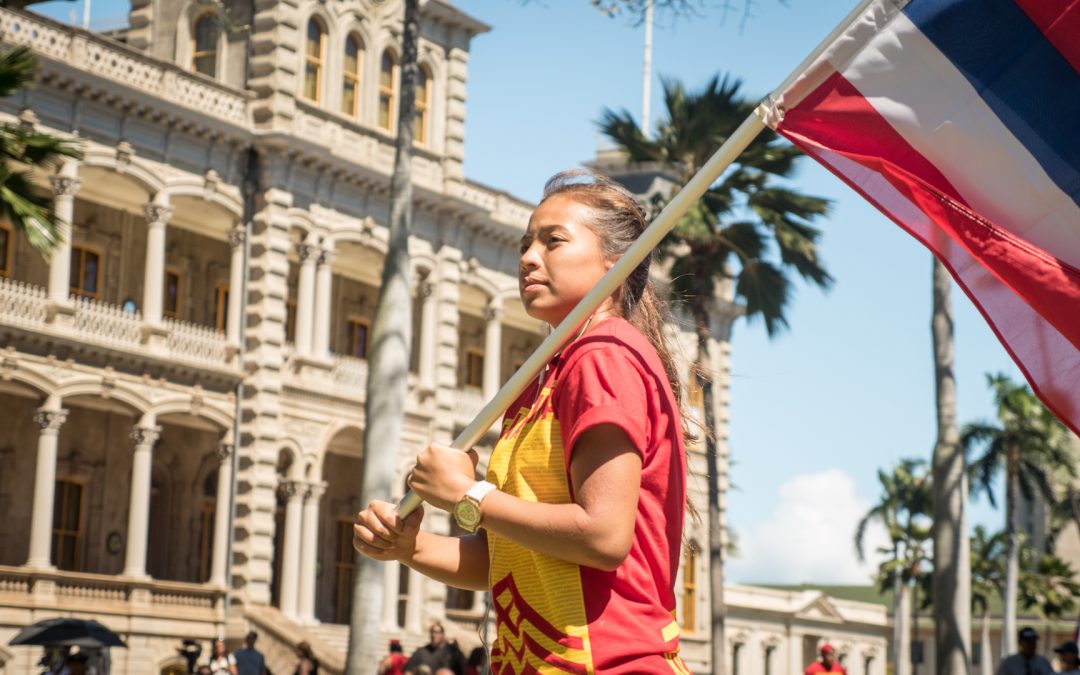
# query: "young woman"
[580,518]
[221,661]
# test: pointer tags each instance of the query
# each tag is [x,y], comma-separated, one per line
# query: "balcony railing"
[467,403]
[109,326]
[100,593]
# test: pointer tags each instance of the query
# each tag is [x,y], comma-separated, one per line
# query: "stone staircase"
[279,635]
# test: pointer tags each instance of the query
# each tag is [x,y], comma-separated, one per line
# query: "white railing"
[22,305]
[107,324]
[350,374]
[467,403]
[197,344]
[101,56]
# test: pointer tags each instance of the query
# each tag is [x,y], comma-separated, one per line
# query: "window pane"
[311,82]
[348,98]
[172,294]
[206,64]
[5,244]
[206,34]
[71,506]
[384,111]
[90,272]
[352,54]
[314,39]
[386,72]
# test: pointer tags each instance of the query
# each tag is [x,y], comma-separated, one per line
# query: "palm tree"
[24,151]
[950,579]
[726,242]
[987,583]
[1048,585]
[903,510]
[1031,446]
[388,364]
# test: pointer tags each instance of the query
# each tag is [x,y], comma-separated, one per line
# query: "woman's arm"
[458,561]
[596,530]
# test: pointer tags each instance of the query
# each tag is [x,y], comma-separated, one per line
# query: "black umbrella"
[65,632]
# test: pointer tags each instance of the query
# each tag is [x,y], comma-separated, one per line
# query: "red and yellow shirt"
[554,616]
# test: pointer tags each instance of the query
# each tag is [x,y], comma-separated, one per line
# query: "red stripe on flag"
[1028,297]
[1059,21]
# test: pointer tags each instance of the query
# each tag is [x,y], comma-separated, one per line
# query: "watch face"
[467,515]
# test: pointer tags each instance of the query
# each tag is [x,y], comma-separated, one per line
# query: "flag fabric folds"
[958,120]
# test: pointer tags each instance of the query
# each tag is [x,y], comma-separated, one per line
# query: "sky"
[815,411]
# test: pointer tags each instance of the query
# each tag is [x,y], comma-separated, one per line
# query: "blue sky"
[814,412]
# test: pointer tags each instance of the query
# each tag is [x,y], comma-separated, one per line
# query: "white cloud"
[809,535]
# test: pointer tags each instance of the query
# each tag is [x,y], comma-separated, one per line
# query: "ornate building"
[183,381]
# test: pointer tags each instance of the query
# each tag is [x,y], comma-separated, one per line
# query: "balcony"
[108,327]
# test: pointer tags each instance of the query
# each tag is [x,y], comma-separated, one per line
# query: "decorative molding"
[307,251]
[157,213]
[65,186]
[224,451]
[145,436]
[50,420]
[237,235]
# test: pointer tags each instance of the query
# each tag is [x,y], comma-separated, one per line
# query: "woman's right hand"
[380,534]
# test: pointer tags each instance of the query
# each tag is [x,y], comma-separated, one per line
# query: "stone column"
[429,322]
[236,286]
[50,418]
[290,562]
[391,570]
[309,551]
[324,280]
[157,216]
[65,184]
[305,300]
[138,531]
[493,350]
[415,603]
[222,515]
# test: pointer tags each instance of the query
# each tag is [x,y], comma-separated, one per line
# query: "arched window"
[423,105]
[204,44]
[689,582]
[387,90]
[314,58]
[350,78]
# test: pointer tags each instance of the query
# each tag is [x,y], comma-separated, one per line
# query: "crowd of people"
[440,656]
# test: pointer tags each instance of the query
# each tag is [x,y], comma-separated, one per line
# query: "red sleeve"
[602,386]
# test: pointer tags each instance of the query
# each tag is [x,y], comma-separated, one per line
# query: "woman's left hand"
[443,474]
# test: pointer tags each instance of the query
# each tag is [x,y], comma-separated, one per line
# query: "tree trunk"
[1012,557]
[951,577]
[985,658]
[388,366]
[902,627]
[704,373]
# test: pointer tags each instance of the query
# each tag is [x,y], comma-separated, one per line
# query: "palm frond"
[17,68]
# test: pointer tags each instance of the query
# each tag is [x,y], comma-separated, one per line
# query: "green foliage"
[903,509]
[28,208]
[1047,584]
[1027,441]
[987,567]
[747,228]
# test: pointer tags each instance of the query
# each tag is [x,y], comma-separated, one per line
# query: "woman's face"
[219,647]
[561,259]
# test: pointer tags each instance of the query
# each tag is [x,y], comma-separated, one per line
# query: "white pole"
[646,76]
[86,15]
[649,239]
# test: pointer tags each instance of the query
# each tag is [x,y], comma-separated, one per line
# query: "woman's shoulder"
[615,337]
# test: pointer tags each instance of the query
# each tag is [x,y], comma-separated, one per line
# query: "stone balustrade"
[106,324]
[350,375]
[97,55]
[22,305]
[468,401]
[36,588]
[196,344]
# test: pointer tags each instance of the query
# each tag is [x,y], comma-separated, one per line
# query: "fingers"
[380,534]
[475,457]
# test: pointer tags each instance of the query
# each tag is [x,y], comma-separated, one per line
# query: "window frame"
[6,255]
[319,62]
[58,533]
[81,250]
[351,322]
[353,76]
[421,135]
[290,321]
[690,587]
[344,570]
[221,307]
[388,93]
[210,15]
[472,357]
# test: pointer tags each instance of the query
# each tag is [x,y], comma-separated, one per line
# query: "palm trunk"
[902,627]
[951,576]
[388,365]
[1012,557]
[985,658]
[703,371]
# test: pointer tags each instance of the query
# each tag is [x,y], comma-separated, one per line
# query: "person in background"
[827,663]
[1069,654]
[250,661]
[306,663]
[394,662]
[436,654]
[1026,661]
[222,662]
[474,665]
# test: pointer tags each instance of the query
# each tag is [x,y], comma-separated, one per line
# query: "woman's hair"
[305,649]
[618,220]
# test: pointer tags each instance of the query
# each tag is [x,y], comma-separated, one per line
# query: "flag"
[958,119]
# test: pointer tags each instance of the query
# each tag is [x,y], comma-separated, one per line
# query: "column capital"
[427,288]
[224,451]
[315,490]
[157,213]
[237,235]
[307,252]
[326,256]
[144,436]
[493,312]
[50,420]
[64,186]
[290,489]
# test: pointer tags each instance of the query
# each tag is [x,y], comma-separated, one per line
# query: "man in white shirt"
[1070,657]
[1026,662]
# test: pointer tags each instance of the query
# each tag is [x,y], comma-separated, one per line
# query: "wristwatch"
[467,511]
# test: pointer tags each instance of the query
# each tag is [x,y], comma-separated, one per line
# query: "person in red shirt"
[394,662]
[828,662]
[581,513]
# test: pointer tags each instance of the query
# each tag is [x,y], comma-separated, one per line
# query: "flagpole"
[638,251]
